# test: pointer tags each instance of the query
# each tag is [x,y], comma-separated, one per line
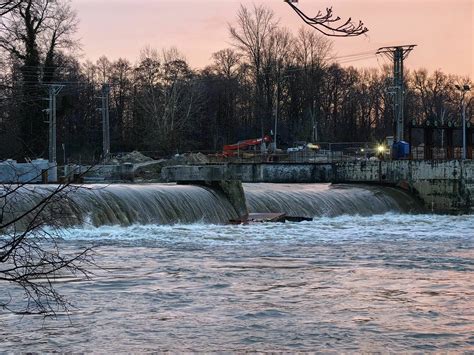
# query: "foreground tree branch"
[32,254]
[7,6]
[327,24]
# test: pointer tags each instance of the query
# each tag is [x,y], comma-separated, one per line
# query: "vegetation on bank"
[161,104]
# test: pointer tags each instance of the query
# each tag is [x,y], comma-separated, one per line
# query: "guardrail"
[452,153]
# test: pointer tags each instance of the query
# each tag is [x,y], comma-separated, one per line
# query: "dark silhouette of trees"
[252,35]
[161,105]
[32,33]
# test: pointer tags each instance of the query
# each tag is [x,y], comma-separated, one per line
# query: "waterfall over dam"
[313,200]
[126,204]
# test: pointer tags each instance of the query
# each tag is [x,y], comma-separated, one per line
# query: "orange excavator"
[245,145]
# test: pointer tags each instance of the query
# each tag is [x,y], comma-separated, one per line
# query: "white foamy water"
[128,204]
[390,282]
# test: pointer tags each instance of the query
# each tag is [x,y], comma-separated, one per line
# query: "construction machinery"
[254,145]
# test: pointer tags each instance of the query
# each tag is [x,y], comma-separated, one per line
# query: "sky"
[441,29]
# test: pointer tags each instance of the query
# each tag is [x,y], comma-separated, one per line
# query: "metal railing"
[437,153]
[326,153]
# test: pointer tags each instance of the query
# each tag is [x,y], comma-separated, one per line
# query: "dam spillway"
[127,204]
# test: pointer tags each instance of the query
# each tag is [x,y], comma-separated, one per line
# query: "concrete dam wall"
[442,186]
[251,172]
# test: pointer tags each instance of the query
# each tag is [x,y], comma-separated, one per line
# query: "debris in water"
[268,217]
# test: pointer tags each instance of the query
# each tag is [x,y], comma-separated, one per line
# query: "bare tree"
[7,6]
[251,35]
[167,96]
[32,257]
[312,50]
[222,93]
[226,63]
[121,91]
[32,33]
[328,25]
[276,58]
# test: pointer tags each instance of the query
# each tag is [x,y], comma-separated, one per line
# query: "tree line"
[161,104]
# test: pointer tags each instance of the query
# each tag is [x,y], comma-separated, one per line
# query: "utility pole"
[277,109]
[314,136]
[315,131]
[398,54]
[54,90]
[105,120]
[464,89]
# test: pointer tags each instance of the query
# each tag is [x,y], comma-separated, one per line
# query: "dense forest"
[160,104]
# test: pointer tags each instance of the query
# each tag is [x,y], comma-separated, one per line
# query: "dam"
[441,186]
[168,263]
[167,204]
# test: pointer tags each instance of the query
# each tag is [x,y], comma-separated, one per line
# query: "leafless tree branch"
[327,24]
[32,258]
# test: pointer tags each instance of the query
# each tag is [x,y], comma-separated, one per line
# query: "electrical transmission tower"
[398,54]
[54,90]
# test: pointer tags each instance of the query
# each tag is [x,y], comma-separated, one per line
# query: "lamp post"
[464,89]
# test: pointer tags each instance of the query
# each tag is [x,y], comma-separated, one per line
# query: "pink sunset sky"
[442,29]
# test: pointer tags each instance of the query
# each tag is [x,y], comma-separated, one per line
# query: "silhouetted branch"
[32,258]
[328,25]
[7,6]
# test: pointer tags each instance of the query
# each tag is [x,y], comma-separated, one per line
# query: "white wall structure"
[12,172]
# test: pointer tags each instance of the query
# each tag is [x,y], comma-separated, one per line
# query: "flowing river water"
[364,275]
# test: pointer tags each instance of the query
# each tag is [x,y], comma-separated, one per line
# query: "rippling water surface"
[349,283]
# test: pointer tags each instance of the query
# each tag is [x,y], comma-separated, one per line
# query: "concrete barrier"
[251,172]
[12,172]
[442,186]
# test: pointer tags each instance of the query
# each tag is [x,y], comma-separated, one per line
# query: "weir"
[231,189]
[128,204]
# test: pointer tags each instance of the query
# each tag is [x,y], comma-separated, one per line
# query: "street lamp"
[464,88]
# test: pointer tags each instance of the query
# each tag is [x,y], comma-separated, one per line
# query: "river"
[348,283]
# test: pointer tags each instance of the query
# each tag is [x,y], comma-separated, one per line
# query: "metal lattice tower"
[54,90]
[398,54]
